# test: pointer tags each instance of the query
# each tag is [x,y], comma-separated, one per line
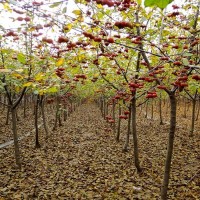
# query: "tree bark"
[193,116]
[15,137]
[119,124]
[125,148]
[160,110]
[113,116]
[134,133]
[37,143]
[169,146]
[44,117]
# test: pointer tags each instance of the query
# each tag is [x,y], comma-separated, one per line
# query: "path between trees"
[83,161]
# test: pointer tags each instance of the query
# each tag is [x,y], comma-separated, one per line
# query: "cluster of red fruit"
[196,77]
[47,40]
[123,24]
[151,94]
[110,119]
[10,33]
[83,76]
[36,3]
[137,40]
[109,3]
[63,39]
[98,39]
[60,72]
[125,115]
[134,85]
[173,14]
[27,19]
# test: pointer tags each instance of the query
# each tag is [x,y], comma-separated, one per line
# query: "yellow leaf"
[139,2]
[60,62]
[18,76]
[77,12]
[7,7]
[99,6]
[96,75]
[28,84]
[39,76]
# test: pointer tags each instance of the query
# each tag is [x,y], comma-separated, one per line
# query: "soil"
[82,160]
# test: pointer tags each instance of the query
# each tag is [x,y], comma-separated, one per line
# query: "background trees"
[118,53]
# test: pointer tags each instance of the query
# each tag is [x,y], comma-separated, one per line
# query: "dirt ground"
[82,160]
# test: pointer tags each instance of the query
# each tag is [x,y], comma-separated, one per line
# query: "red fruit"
[123,117]
[111,121]
[50,41]
[183,84]
[62,39]
[136,41]
[161,87]
[117,97]
[126,112]
[10,33]
[20,18]
[35,3]
[110,40]
[27,19]
[97,39]
[175,7]
[178,63]
[164,58]
[196,77]
[183,78]
[151,95]
[133,85]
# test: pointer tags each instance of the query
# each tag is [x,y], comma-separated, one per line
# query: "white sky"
[7,23]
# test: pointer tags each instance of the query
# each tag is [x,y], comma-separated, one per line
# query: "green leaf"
[187,54]
[77,12]
[185,61]
[160,3]
[52,89]
[21,58]
[64,10]
[56,4]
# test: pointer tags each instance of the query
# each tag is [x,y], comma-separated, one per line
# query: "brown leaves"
[81,160]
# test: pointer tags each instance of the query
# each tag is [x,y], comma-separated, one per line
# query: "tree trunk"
[193,116]
[7,116]
[113,116]
[15,137]
[169,146]
[125,148]
[198,111]
[146,110]
[119,124]
[25,99]
[152,109]
[44,118]
[57,118]
[65,112]
[134,132]
[160,110]
[37,143]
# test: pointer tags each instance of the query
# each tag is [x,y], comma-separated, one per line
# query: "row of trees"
[121,51]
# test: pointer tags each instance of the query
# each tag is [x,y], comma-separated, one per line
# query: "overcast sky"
[7,23]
